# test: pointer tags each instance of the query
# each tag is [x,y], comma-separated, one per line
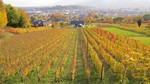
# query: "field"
[78,56]
[141,37]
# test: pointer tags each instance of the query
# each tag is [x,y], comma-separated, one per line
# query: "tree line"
[13,17]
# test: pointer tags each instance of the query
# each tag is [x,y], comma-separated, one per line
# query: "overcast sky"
[96,3]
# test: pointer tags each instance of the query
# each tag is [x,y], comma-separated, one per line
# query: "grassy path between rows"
[141,37]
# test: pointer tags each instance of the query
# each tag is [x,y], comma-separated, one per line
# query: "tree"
[13,16]
[86,19]
[91,15]
[118,19]
[139,22]
[136,18]
[58,17]
[3,15]
[129,19]
[146,17]
[24,19]
[76,18]
[55,24]
[62,24]
[34,18]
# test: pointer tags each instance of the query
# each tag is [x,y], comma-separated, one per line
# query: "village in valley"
[78,16]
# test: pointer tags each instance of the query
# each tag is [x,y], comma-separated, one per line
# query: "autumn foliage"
[24,19]
[3,16]
[24,30]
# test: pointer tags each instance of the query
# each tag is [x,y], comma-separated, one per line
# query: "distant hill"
[59,7]
[106,3]
[70,7]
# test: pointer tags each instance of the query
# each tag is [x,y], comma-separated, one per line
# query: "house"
[47,23]
[41,23]
[76,24]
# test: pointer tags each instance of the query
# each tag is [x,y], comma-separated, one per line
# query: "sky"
[28,3]
[95,3]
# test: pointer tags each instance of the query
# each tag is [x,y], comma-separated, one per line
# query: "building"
[41,23]
[76,24]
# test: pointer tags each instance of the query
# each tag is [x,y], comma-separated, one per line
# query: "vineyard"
[80,56]
[25,30]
